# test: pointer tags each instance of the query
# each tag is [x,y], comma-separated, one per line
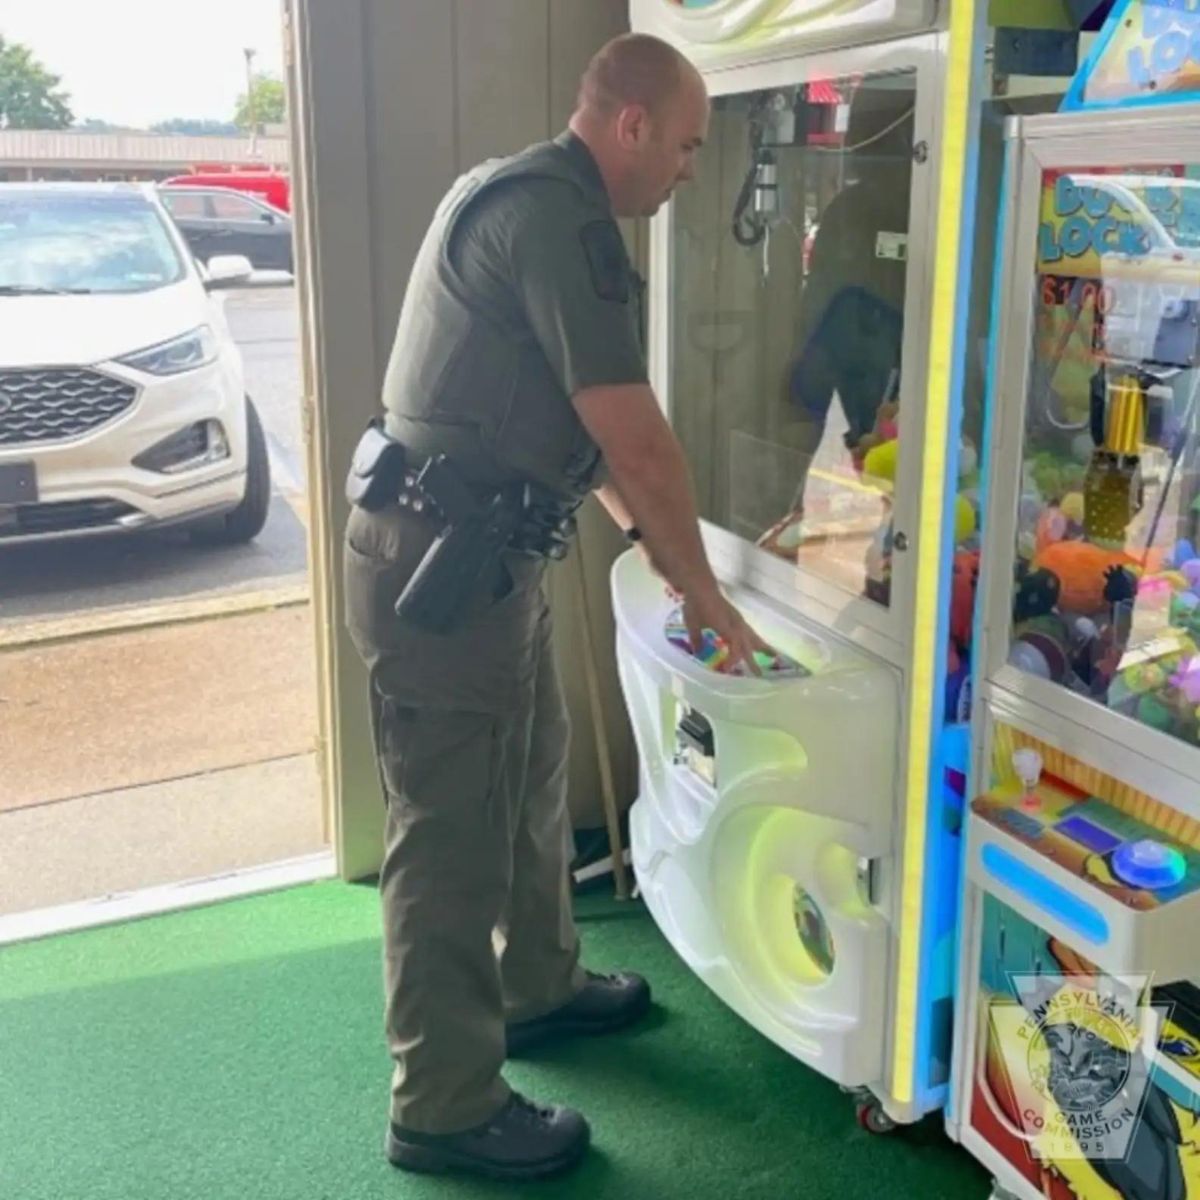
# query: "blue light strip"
[928,1096]
[985,483]
[1050,897]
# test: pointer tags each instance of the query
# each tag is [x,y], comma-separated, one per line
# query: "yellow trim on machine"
[956,120]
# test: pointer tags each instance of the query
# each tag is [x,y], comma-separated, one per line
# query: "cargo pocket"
[447,765]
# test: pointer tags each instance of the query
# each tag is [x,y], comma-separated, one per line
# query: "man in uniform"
[519,359]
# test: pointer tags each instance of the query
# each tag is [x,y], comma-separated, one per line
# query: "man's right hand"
[710,610]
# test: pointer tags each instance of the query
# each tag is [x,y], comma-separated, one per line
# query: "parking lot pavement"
[59,579]
[266,326]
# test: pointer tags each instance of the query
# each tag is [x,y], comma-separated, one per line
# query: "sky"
[134,62]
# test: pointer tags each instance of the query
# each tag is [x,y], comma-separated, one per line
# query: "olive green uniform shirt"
[521,297]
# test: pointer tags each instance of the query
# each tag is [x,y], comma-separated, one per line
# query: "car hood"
[46,331]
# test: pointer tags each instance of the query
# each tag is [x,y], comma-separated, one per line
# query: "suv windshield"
[62,243]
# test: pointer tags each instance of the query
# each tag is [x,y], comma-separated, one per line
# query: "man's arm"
[652,482]
[615,506]
[571,274]
[653,487]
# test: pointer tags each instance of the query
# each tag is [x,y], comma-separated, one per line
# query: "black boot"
[522,1141]
[606,1003]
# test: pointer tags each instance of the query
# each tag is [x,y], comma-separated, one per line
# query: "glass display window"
[790,271]
[1106,592]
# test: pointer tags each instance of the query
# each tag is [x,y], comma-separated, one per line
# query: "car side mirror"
[268,218]
[225,270]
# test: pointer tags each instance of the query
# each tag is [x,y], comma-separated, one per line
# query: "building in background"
[74,154]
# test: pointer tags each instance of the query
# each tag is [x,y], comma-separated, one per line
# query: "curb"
[176,612]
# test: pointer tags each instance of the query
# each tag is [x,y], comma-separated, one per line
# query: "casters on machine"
[868,1112]
[872,1118]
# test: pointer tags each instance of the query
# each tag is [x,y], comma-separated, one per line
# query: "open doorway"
[158,676]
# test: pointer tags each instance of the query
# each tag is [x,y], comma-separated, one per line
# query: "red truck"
[273,186]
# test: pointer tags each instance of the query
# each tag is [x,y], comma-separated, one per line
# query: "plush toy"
[1082,573]
[886,429]
[879,466]
[963,586]
[880,463]
[1187,680]
[1041,647]
[1037,594]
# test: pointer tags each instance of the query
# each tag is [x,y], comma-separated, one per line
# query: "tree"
[30,96]
[96,125]
[195,127]
[269,105]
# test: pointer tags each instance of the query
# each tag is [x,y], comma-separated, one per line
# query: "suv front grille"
[55,404]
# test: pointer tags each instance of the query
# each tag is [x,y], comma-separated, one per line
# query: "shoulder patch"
[607,260]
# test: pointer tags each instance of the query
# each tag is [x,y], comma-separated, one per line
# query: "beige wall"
[394,98]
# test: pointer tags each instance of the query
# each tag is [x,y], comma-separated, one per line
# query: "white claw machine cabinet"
[798,840]
[1077,1064]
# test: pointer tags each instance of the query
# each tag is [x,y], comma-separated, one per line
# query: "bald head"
[643,112]
[634,69]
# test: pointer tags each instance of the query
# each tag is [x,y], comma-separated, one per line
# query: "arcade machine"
[796,836]
[1077,1056]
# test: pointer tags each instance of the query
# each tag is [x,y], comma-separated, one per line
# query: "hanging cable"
[875,137]
[750,229]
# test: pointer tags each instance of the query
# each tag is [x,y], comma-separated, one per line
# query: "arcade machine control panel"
[1131,861]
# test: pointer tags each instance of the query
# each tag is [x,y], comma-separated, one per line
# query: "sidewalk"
[141,756]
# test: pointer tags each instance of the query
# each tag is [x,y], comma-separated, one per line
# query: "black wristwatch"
[633,534]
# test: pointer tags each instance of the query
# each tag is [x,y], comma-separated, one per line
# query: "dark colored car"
[219,221]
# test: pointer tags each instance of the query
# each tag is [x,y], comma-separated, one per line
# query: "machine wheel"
[872,1118]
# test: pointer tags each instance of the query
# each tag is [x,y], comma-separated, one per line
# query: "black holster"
[376,471]
[466,558]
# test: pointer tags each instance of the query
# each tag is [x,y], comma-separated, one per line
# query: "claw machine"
[797,838]
[1077,1057]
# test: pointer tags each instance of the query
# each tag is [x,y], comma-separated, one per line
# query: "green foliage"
[269,106]
[30,96]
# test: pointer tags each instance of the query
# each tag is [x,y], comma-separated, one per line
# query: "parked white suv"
[122,404]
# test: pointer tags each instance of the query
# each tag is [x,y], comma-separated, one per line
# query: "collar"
[584,161]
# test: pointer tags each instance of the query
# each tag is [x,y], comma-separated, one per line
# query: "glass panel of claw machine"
[789,264]
[1107,603]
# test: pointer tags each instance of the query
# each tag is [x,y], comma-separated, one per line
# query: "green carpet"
[236,1052]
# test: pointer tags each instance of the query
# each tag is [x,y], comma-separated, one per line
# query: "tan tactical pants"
[471,733]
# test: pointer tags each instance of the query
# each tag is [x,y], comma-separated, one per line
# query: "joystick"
[1149,864]
[1028,766]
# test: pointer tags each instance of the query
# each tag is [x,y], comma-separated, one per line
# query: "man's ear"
[632,127]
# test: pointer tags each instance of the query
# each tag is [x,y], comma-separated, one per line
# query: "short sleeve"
[577,290]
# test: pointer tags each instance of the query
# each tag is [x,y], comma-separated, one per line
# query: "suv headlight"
[186,353]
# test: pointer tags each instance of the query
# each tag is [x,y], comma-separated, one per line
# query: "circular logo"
[1076,1057]
[1086,1065]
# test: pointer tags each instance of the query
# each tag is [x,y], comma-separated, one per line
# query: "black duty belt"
[384,472]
